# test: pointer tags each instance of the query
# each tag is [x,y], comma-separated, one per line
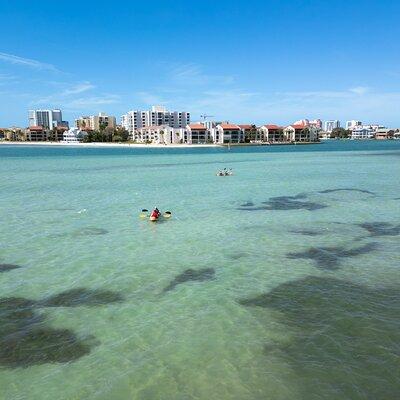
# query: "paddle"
[167,214]
[144,213]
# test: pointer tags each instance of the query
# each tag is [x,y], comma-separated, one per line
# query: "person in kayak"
[155,213]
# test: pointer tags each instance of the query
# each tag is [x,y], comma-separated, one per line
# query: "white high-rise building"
[157,116]
[331,125]
[48,119]
[353,124]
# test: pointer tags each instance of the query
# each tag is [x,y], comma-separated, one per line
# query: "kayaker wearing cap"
[155,213]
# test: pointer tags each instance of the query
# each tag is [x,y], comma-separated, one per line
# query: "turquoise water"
[297,295]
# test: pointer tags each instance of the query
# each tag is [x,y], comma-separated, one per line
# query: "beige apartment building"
[95,122]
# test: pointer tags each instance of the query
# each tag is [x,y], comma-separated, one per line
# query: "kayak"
[145,214]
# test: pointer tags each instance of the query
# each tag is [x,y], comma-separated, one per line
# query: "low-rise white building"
[73,135]
[362,132]
[323,135]
[163,134]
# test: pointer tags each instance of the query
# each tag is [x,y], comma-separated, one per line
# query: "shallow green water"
[304,302]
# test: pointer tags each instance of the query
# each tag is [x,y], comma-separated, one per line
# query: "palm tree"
[162,136]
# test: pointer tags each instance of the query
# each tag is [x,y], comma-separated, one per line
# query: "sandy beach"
[106,144]
[150,146]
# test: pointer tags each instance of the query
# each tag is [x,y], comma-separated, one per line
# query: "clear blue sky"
[244,61]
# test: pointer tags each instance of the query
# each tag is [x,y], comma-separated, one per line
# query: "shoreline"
[149,146]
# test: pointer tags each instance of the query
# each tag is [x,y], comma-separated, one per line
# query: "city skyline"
[158,115]
[291,61]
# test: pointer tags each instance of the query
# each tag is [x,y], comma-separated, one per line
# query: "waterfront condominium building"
[48,119]
[227,133]
[331,125]
[95,122]
[353,124]
[157,116]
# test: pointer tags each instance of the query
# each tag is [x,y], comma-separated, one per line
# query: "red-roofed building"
[13,134]
[36,134]
[301,133]
[272,133]
[250,132]
[227,133]
[196,134]
[59,133]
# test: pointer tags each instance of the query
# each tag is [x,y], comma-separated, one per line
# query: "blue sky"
[243,61]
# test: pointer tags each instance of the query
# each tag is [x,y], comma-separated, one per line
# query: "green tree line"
[107,135]
[340,133]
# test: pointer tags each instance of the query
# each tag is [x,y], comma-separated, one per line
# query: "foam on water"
[297,299]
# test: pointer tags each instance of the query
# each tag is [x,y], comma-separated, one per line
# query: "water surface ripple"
[279,282]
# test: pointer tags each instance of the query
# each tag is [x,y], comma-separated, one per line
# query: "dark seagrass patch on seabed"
[334,323]
[307,232]
[329,258]
[247,204]
[90,231]
[297,202]
[26,339]
[8,267]
[199,275]
[237,255]
[83,232]
[347,190]
[381,228]
[82,297]
[292,203]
